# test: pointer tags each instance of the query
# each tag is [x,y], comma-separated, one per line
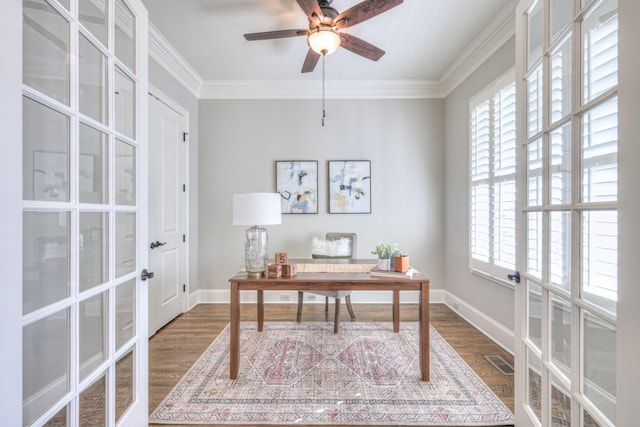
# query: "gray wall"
[403,139]
[492,299]
[161,79]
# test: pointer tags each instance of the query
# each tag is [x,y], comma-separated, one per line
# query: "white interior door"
[84,322]
[566,303]
[167,211]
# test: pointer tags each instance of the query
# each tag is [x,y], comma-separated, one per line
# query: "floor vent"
[501,364]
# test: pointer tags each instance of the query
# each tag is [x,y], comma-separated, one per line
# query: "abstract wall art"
[297,184]
[349,186]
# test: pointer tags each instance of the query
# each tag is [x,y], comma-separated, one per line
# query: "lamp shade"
[324,40]
[256,209]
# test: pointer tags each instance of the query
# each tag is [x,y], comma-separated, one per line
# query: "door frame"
[11,212]
[177,107]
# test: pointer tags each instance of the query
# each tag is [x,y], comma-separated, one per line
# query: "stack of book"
[397,274]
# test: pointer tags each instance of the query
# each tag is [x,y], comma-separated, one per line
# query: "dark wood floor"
[173,349]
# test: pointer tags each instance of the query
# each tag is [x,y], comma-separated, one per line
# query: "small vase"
[384,264]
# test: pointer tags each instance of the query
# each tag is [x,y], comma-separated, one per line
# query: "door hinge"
[184,136]
[184,237]
[184,288]
[184,188]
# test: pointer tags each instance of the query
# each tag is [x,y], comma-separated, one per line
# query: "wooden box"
[282,258]
[401,263]
[274,271]
[289,270]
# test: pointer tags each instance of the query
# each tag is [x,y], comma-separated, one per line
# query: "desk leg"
[234,332]
[396,311]
[260,310]
[424,330]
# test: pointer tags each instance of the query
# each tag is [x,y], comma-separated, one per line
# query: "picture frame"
[349,186]
[297,185]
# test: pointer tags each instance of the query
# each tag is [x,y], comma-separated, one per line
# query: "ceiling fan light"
[324,40]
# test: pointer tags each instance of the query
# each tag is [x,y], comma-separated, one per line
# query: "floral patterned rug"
[303,373]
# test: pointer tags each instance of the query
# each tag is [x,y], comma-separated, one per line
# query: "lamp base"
[255,251]
[255,274]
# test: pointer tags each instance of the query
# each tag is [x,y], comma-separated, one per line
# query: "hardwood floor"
[174,348]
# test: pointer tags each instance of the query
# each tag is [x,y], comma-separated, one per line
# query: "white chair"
[337,295]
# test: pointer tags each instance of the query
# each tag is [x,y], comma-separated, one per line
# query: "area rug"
[303,373]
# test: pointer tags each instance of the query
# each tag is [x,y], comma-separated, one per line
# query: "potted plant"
[384,251]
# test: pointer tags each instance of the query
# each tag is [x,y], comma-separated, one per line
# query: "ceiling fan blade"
[361,47]
[363,11]
[310,61]
[311,9]
[280,34]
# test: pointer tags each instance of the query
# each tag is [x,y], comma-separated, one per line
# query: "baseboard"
[489,327]
[496,332]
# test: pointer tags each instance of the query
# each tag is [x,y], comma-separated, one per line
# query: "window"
[493,178]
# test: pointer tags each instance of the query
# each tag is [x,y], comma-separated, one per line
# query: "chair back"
[353,237]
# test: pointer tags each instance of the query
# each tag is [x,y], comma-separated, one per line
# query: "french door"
[566,303]
[84,315]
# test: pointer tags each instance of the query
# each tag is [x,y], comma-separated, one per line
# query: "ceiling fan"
[324,35]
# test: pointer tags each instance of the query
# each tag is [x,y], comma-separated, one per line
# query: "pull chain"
[323,89]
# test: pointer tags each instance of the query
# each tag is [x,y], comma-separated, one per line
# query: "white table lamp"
[256,209]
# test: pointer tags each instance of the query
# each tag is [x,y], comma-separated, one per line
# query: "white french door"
[84,311]
[566,303]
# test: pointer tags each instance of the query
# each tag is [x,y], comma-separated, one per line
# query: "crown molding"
[170,59]
[335,89]
[497,33]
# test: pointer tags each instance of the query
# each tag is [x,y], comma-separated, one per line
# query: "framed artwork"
[297,184]
[349,186]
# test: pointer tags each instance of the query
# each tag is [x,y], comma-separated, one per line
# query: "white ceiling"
[422,38]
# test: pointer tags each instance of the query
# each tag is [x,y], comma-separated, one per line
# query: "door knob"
[515,277]
[157,244]
[146,275]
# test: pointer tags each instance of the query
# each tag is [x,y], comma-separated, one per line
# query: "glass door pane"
[125,313]
[93,15]
[45,149]
[93,404]
[125,102]
[560,250]
[600,259]
[560,334]
[124,35]
[93,338]
[600,50]
[600,153]
[45,364]
[93,166]
[561,75]
[125,385]
[560,165]
[94,249]
[93,85]
[45,259]
[45,50]
[125,173]
[599,363]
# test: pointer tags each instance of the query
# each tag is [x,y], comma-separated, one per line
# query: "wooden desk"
[333,282]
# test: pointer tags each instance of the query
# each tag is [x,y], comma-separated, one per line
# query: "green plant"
[385,250]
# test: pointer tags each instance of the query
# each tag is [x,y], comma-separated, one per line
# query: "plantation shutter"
[599,160]
[492,179]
